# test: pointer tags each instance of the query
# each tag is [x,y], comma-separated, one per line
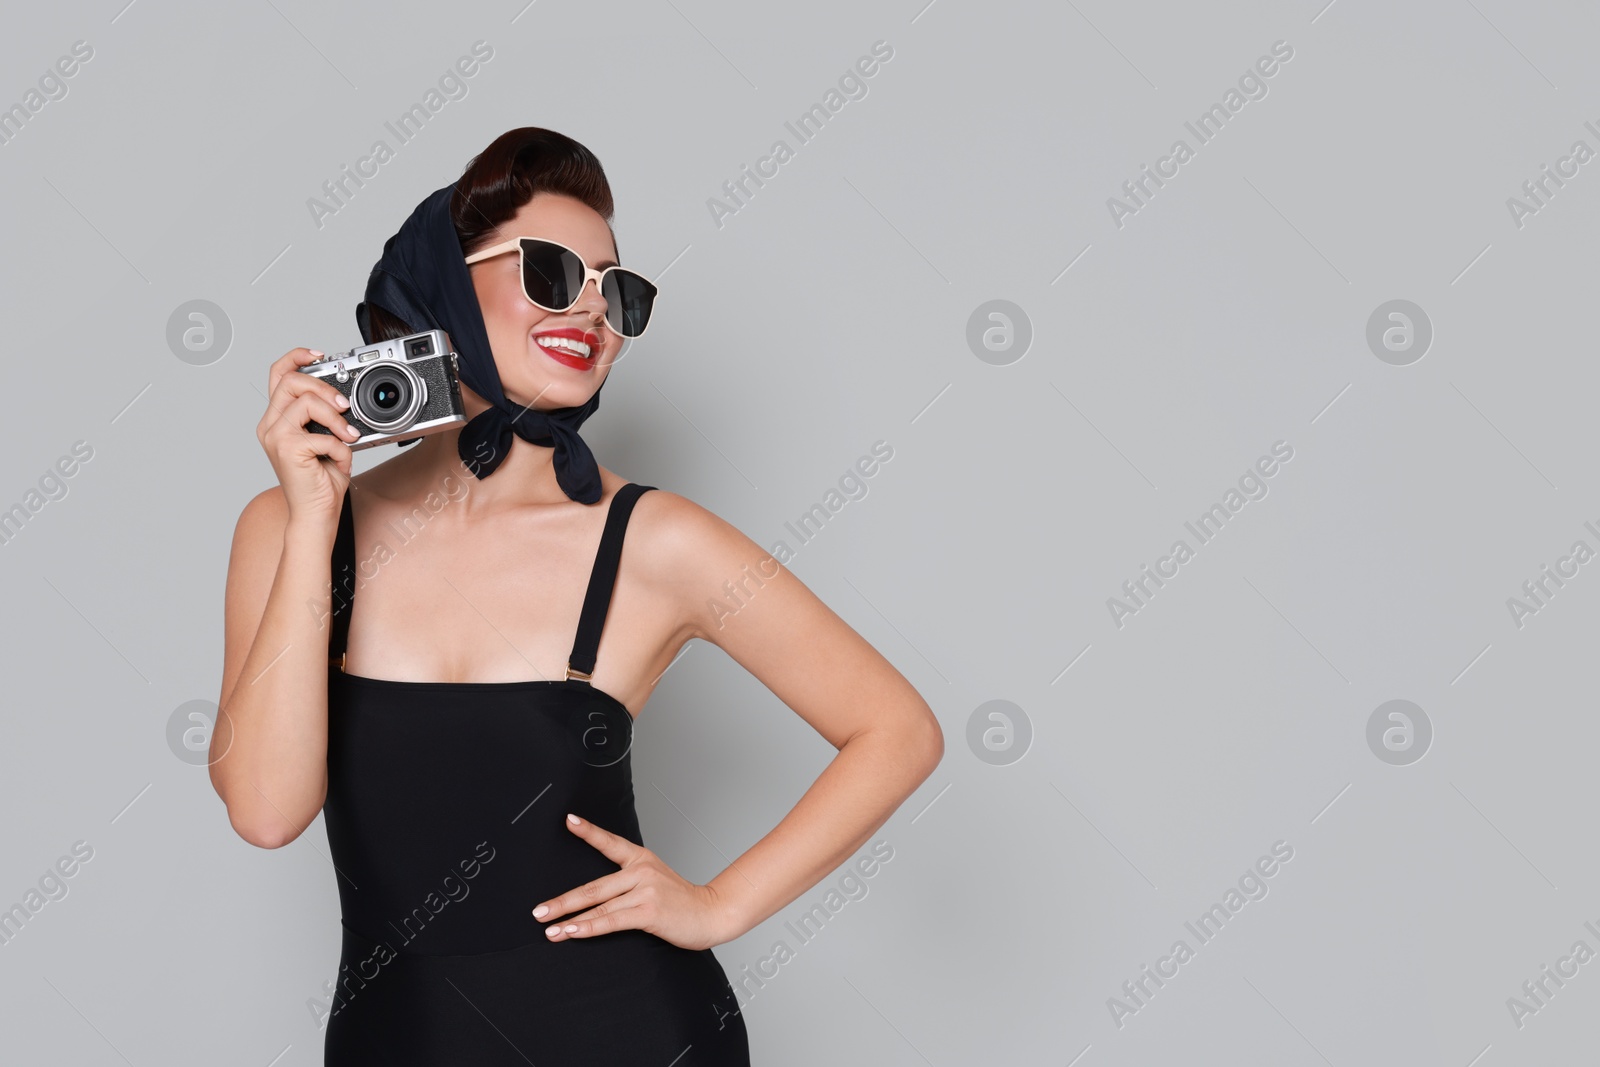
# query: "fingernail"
[351,430]
[314,352]
[574,820]
[551,931]
[538,913]
[342,402]
[572,929]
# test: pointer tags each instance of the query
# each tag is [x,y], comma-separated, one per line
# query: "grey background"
[831,312]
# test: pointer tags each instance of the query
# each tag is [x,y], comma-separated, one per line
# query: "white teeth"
[562,342]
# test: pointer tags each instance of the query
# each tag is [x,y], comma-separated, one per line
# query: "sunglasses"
[553,277]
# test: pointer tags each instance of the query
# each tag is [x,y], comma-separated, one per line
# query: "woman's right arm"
[270,745]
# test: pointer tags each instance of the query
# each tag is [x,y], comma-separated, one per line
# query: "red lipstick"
[566,356]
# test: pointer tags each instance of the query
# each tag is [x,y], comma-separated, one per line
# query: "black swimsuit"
[445,814]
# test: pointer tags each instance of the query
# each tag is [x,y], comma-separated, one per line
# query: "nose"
[590,302]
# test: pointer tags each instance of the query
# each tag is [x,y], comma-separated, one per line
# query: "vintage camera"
[398,389]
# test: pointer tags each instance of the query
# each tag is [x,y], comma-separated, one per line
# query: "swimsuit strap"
[344,583]
[602,579]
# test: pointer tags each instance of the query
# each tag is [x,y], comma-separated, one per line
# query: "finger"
[610,917]
[290,389]
[303,424]
[290,428]
[591,894]
[338,452]
[626,902]
[284,364]
[290,412]
[310,407]
[614,847]
[294,384]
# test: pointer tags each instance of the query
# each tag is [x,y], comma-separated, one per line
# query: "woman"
[468,736]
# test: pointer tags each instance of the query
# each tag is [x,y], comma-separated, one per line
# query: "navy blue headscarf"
[422,279]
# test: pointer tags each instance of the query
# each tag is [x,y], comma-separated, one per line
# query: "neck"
[526,476]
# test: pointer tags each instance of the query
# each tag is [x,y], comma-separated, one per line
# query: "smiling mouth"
[573,348]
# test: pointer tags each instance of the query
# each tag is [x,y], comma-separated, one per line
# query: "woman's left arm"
[888,739]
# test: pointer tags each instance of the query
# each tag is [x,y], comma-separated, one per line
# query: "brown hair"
[502,178]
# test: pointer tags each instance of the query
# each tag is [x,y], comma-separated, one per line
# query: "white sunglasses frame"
[515,245]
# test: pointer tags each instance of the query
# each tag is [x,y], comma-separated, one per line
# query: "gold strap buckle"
[337,661]
[580,675]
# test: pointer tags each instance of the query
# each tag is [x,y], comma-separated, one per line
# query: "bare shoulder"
[266,514]
[675,534]
[675,526]
[689,552]
[729,591]
[263,519]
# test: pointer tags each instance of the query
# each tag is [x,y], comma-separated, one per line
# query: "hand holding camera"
[328,406]
[313,491]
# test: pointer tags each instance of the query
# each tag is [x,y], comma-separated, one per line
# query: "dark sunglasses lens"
[551,275]
[629,298]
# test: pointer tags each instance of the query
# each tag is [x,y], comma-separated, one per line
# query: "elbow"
[928,746]
[249,824]
[271,832]
[935,751]
[260,821]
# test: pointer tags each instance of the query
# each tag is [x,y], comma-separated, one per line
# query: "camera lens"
[387,397]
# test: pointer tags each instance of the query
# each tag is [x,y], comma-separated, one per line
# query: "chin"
[551,394]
